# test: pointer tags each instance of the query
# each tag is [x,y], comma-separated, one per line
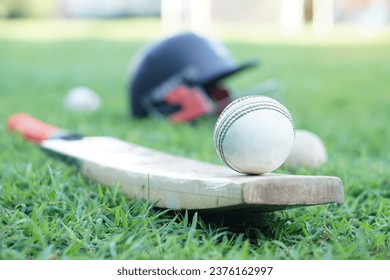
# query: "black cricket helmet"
[178,77]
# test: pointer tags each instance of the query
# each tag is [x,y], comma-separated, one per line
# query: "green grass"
[337,87]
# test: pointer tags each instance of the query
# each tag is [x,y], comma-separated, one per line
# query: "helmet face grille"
[179,104]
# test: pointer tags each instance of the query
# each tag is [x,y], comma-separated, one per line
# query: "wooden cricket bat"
[173,182]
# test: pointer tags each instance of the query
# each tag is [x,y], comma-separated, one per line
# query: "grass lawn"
[337,87]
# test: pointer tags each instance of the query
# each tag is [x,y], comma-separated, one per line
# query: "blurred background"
[368,16]
[332,54]
[329,53]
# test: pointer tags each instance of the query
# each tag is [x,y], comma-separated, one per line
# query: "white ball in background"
[308,150]
[82,99]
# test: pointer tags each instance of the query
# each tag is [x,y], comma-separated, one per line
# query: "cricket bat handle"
[31,128]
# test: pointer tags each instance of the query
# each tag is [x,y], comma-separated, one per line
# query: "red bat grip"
[31,128]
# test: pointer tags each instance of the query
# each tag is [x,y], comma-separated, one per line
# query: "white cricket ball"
[82,99]
[308,150]
[254,134]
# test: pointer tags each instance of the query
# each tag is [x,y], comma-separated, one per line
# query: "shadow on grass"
[251,225]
